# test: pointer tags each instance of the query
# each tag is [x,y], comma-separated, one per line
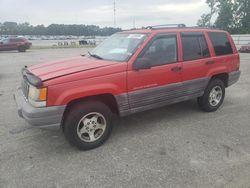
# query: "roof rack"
[165,26]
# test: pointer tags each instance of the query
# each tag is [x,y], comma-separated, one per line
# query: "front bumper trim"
[39,117]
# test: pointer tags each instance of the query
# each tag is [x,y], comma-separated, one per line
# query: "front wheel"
[213,96]
[21,49]
[88,124]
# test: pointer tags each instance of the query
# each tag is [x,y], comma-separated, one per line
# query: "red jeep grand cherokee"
[130,72]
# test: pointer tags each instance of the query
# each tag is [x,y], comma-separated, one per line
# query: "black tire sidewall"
[204,100]
[76,113]
[21,49]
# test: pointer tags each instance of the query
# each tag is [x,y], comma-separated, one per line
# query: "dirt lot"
[175,146]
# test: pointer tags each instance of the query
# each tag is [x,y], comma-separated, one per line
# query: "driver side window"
[163,50]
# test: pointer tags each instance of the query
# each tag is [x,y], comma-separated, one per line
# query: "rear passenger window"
[194,46]
[221,43]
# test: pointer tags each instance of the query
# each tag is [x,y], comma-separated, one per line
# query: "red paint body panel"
[105,80]
[154,77]
[60,68]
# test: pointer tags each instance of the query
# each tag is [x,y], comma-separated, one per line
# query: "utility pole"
[114,14]
[134,23]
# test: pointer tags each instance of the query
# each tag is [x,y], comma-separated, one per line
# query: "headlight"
[37,97]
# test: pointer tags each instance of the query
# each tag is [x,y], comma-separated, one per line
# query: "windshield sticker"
[118,51]
[136,36]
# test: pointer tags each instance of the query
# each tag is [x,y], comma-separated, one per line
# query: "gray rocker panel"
[146,99]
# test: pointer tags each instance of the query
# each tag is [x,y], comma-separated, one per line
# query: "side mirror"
[142,63]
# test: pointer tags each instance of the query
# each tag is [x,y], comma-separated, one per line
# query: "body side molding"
[141,100]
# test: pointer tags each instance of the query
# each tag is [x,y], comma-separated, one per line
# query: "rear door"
[197,62]
[160,84]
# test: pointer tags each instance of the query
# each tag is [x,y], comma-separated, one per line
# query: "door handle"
[210,62]
[176,69]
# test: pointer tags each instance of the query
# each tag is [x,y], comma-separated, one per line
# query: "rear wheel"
[21,48]
[88,124]
[213,96]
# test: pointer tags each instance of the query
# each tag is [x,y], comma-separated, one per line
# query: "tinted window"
[204,47]
[16,40]
[194,46]
[221,43]
[163,50]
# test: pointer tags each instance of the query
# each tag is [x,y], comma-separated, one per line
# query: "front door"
[160,82]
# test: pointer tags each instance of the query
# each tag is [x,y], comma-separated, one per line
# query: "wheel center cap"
[91,126]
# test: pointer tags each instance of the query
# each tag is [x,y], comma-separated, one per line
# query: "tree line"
[230,15]
[13,28]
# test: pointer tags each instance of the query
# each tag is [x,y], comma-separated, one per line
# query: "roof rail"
[166,26]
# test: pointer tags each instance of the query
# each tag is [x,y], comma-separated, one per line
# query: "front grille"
[25,88]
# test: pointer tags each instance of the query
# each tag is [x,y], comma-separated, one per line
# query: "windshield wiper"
[95,56]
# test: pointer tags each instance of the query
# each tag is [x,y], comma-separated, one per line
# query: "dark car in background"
[15,43]
[245,48]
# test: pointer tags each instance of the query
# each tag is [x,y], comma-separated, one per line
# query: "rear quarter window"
[221,43]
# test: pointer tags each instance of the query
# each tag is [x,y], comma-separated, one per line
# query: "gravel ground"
[174,146]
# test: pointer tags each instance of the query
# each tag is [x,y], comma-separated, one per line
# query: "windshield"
[118,47]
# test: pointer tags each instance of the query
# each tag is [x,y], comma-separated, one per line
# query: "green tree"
[232,15]
[12,28]
[213,9]
[9,27]
[225,18]
[242,16]
[206,19]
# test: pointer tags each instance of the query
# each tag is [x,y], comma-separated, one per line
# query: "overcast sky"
[100,12]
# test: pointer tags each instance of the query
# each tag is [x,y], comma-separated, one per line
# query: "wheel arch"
[222,76]
[106,98]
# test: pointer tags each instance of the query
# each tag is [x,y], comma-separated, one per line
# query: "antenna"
[114,14]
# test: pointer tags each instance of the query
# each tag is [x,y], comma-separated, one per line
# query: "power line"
[114,13]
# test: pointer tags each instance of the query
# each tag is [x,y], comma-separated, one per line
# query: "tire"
[213,96]
[85,122]
[22,49]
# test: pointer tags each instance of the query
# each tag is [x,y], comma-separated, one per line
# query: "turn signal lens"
[43,94]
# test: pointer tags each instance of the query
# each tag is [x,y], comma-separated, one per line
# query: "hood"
[47,71]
